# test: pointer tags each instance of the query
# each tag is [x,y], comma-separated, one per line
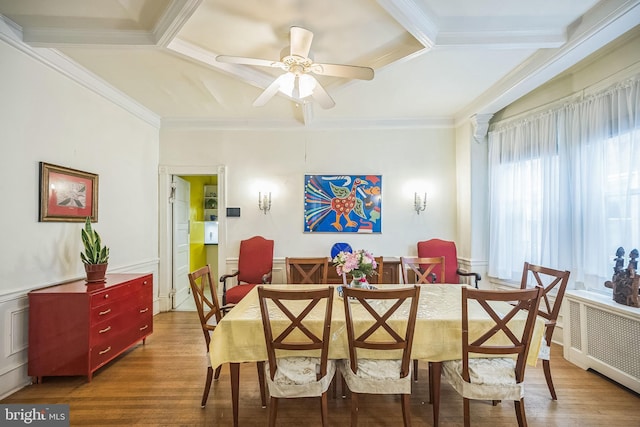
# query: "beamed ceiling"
[436,62]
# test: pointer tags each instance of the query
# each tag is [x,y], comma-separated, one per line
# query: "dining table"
[239,336]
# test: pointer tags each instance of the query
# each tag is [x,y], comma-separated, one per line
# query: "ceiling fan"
[298,81]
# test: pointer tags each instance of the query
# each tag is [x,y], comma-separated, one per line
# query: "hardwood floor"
[161,383]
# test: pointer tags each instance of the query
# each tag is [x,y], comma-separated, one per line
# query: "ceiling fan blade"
[348,71]
[300,41]
[322,97]
[248,61]
[268,93]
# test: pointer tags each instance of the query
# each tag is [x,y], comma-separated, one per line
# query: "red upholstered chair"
[255,263]
[436,248]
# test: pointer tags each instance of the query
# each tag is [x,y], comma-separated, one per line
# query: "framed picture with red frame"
[67,195]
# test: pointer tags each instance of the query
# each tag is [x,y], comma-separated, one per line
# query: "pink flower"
[359,262]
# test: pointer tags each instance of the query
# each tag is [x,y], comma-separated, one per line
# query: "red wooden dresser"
[75,328]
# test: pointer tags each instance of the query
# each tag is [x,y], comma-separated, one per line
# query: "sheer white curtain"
[564,187]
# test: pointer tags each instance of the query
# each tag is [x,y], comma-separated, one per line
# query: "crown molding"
[167,27]
[414,17]
[203,56]
[603,24]
[284,125]
[54,37]
[480,126]
[172,21]
[11,33]
[508,39]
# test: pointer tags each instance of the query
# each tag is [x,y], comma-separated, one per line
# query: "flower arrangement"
[359,263]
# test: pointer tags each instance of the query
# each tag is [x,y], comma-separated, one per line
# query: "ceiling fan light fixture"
[287,83]
[296,61]
[296,86]
[306,85]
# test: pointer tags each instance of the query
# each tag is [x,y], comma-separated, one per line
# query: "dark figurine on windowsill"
[619,259]
[625,282]
[633,260]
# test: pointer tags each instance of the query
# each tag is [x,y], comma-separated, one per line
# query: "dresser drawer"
[103,332]
[112,309]
[108,295]
[144,284]
[142,326]
[103,353]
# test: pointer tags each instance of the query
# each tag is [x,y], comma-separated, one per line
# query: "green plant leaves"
[94,252]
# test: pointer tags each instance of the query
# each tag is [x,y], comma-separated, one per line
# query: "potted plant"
[95,256]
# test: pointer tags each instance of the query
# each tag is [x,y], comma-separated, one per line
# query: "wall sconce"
[264,202]
[419,203]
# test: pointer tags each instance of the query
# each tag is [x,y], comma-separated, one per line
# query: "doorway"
[200,218]
[168,286]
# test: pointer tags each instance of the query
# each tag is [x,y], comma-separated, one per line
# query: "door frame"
[165,217]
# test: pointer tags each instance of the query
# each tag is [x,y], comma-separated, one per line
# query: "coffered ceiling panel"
[433,60]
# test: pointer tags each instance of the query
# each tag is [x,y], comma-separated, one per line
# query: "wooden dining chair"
[422,269]
[373,331]
[549,280]
[374,278]
[210,313]
[495,371]
[307,270]
[284,314]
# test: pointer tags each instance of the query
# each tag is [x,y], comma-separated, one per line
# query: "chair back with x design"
[548,279]
[422,268]
[292,333]
[371,338]
[527,300]
[206,299]
[307,270]
[210,313]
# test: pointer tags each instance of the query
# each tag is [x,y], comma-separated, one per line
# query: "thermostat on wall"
[233,212]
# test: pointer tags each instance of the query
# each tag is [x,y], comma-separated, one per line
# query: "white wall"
[46,116]
[282,158]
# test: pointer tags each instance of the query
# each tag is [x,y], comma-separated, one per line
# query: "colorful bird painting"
[341,200]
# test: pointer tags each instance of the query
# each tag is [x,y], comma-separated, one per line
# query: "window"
[564,188]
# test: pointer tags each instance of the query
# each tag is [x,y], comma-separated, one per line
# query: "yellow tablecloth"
[240,337]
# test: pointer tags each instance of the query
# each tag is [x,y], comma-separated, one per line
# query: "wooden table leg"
[435,388]
[234,369]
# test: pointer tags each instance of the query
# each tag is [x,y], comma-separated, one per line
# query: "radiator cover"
[603,335]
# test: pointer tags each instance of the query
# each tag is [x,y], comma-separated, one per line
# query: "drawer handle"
[106,296]
[144,283]
[144,327]
[102,313]
[108,349]
[107,329]
[144,310]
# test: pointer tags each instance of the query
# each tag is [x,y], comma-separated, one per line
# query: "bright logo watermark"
[34,415]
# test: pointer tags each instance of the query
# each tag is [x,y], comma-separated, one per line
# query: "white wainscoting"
[603,335]
[14,324]
[14,312]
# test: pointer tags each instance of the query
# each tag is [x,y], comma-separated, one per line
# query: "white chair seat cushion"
[545,351]
[297,377]
[491,379]
[376,377]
